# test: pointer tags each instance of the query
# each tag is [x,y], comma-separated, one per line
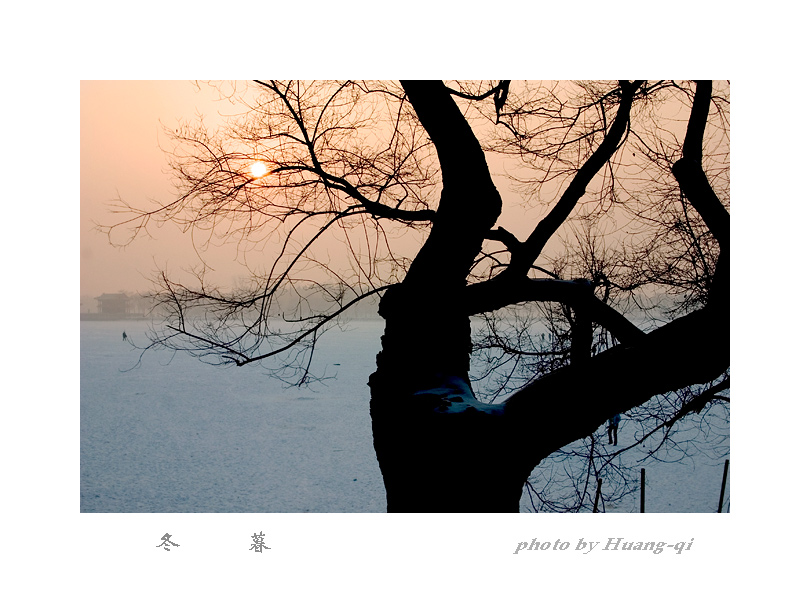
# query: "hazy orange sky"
[121,136]
[121,155]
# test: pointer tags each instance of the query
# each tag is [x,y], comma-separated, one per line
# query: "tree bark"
[432,457]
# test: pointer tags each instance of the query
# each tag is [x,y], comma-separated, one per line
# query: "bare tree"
[626,268]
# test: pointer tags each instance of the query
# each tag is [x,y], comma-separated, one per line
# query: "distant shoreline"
[111,317]
[137,317]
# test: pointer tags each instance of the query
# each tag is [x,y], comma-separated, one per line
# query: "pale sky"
[122,143]
[121,154]
[121,136]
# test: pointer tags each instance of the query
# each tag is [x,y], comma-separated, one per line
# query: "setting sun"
[258,169]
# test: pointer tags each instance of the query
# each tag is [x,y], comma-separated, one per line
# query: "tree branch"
[689,173]
[498,293]
[241,359]
[376,209]
[689,170]
[470,204]
[687,351]
[576,189]
[693,141]
[512,243]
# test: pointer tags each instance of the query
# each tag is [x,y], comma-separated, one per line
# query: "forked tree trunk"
[438,448]
[436,454]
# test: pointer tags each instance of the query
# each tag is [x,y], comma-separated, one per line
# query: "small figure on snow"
[613,430]
[125,336]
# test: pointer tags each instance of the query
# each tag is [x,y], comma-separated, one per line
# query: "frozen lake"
[177,435]
[188,437]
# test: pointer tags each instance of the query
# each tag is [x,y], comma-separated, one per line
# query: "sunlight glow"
[258,169]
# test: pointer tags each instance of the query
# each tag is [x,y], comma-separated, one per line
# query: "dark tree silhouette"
[627,267]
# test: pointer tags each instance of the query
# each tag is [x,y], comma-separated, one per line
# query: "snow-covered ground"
[177,435]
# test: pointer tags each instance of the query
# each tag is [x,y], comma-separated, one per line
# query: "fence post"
[596,498]
[643,481]
[723,488]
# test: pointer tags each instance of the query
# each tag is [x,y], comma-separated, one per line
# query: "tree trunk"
[439,449]
[438,462]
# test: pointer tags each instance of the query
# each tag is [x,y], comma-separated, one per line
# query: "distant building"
[113,304]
